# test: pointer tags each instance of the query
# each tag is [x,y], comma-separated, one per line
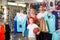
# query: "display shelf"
[12,13]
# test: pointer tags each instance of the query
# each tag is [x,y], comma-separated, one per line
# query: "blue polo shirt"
[50,20]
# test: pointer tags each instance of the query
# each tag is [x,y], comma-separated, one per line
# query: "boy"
[30,27]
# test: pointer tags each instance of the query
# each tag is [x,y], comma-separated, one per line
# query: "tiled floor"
[17,37]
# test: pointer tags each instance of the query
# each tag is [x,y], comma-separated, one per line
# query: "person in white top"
[41,13]
[40,16]
[30,27]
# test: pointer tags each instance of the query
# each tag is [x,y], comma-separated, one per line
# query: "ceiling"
[26,1]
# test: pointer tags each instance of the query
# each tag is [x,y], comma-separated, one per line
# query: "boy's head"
[41,7]
[31,20]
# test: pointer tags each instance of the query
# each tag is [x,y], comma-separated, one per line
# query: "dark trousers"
[44,36]
[7,36]
[7,33]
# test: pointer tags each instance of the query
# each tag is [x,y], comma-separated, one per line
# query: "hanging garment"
[58,7]
[56,35]
[36,6]
[56,18]
[20,20]
[51,26]
[21,23]
[50,19]
[2,31]
[26,30]
[7,33]
[43,25]
[44,4]
[15,24]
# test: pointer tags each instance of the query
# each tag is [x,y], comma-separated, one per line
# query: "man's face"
[41,8]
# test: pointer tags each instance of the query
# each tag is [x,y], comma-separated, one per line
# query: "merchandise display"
[56,18]
[36,6]
[15,26]
[56,35]
[15,17]
[50,19]
[11,14]
[21,22]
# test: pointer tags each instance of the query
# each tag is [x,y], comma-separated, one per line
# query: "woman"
[33,15]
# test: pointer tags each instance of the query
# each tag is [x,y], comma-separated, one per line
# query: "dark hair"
[40,5]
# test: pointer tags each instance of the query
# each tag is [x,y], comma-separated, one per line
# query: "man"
[43,25]
[33,15]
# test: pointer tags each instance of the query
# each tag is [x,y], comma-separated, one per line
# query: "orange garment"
[35,19]
[2,31]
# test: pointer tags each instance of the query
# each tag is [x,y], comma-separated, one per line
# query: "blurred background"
[9,9]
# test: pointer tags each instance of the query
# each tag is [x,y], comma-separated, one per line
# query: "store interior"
[11,8]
